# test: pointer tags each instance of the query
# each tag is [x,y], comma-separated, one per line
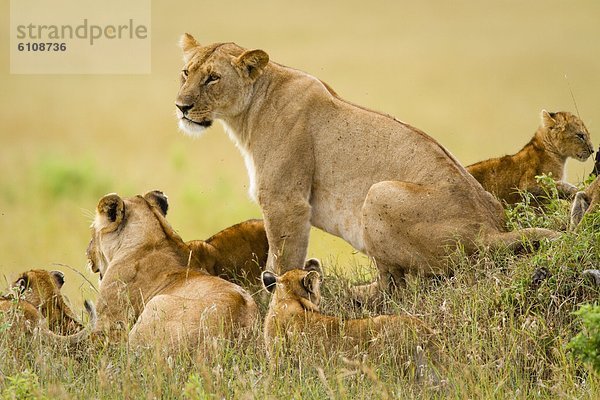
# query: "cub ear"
[109,212]
[159,200]
[59,278]
[312,282]
[269,281]
[22,283]
[313,264]
[548,120]
[580,205]
[188,44]
[252,62]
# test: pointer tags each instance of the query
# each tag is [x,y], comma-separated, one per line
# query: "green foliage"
[586,344]
[62,177]
[23,386]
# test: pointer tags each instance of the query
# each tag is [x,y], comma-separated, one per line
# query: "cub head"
[303,285]
[126,224]
[217,81]
[568,134]
[39,287]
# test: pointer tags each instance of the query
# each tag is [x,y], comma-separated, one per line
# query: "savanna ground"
[474,75]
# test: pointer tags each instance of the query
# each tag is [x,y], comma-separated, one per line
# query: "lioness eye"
[212,78]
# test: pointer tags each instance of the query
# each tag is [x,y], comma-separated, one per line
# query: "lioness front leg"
[287,222]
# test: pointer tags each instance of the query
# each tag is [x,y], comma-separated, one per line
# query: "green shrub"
[586,344]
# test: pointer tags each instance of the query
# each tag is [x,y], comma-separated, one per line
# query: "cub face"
[216,81]
[303,285]
[38,286]
[569,134]
[123,223]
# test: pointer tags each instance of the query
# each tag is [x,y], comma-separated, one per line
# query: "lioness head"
[216,81]
[126,223]
[303,285]
[38,286]
[568,134]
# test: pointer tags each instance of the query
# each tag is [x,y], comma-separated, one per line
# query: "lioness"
[35,296]
[148,282]
[384,186]
[294,314]
[560,136]
[237,254]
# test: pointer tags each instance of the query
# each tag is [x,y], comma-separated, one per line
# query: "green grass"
[501,335]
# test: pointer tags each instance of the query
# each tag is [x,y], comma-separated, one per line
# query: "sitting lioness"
[150,285]
[560,136]
[313,158]
[35,297]
[294,315]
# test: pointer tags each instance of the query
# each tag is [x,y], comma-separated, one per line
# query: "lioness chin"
[313,158]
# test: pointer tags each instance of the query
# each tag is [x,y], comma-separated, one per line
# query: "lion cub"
[294,317]
[36,296]
[560,136]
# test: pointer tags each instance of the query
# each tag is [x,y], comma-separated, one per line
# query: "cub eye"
[580,136]
[212,78]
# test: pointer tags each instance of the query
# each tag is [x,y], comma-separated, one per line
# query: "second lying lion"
[294,317]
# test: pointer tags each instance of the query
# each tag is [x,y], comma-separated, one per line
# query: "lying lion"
[237,254]
[560,136]
[313,158]
[293,319]
[35,298]
[149,286]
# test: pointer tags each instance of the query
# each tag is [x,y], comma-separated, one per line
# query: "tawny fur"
[237,254]
[586,201]
[149,285]
[35,297]
[313,158]
[561,135]
[294,314]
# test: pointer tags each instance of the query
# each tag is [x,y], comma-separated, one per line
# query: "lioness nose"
[184,107]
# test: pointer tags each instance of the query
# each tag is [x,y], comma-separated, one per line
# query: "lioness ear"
[252,62]
[312,281]
[59,278]
[159,200]
[269,280]
[548,120]
[313,264]
[188,44]
[109,212]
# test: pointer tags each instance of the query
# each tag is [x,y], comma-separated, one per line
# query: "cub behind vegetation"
[293,322]
[588,200]
[560,136]
[35,296]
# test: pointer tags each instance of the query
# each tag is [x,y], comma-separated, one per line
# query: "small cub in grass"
[294,320]
[560,136]
[35,296]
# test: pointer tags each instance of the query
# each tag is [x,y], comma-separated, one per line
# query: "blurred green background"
[472,74]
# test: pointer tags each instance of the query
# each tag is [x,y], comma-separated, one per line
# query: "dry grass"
[472,74]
